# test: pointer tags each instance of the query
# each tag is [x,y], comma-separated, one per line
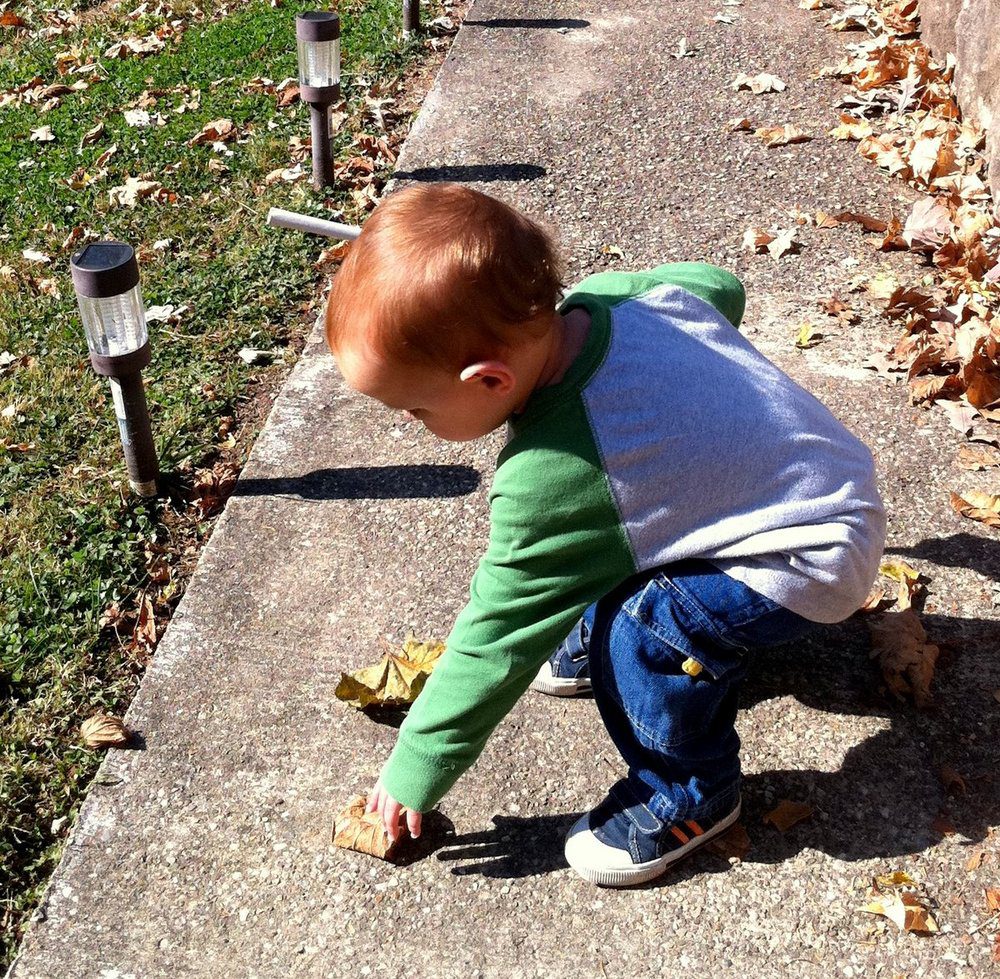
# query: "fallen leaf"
[734,844]
[683,51]
[908,578]
[135,45]
[787,813]
[927,225]
[145,627]
[104,731]
[92,135]
[784,243]
[217,131]
[251,356]
[808,336]
[905,910]
[43,134]
[975,861]
[395,681]
[740,124]
[137,118]
[851,128]
[992,895]
[876,597]
[952,781]
[976,505]
[812,4]
[906,657]
[364,832]
[9,19]
[758,84]
[782,135]
[978,457]
[35,256]
[725,18]
[134,190]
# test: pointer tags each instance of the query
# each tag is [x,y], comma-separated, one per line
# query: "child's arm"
[556,546]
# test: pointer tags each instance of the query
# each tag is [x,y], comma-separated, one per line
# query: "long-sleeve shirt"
[669,437]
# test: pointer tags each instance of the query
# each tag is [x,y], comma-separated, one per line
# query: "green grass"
[72,541]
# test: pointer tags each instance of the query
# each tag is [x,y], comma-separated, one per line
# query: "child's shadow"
[891,795]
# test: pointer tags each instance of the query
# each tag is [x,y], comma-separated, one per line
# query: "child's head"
[444,286]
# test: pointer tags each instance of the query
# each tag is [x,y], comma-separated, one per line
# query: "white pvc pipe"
[310,225]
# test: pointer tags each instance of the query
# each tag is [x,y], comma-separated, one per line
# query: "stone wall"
[970,29]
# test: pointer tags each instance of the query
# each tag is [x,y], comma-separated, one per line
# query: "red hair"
[446,275]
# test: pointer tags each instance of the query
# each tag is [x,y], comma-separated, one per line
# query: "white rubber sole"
[559,686]
[607,866]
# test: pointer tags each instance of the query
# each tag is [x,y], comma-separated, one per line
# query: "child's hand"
[390,810]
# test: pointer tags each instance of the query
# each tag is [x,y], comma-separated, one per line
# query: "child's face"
[447,406]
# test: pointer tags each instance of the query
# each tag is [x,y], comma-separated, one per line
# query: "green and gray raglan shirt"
[670,437]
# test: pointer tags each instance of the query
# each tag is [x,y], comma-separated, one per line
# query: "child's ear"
[494,374]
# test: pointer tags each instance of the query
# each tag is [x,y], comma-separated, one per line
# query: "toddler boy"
[664,487]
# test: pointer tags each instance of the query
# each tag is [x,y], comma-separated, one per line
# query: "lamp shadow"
[367,483]
[531,23]
[482,173]
[889,797]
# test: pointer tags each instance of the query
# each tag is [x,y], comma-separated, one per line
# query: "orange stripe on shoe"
[694,827]
[679,833]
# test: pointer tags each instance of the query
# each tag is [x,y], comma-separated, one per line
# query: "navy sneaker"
[621,842]
[567,671]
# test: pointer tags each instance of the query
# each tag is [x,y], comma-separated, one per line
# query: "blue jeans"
[675,731]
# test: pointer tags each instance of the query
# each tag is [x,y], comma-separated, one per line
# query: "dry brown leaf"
[134,190]
[782,135]
[787,813]
[905,910]
[851,127]
[758,84]
[952,781]
[216,131]
[741,124]
[135,45]
[395,681]
[9,19]
[975,861]
[355,829]
[878,598]
[927,225]
[992,895]
[906,656]
[978,457]
[976,505]
[104,731]
[734,844]
[43,134]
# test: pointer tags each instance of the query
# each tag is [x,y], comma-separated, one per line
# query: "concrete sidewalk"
[207,852]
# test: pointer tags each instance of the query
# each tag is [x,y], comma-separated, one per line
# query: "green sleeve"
[556,546]
[716,286]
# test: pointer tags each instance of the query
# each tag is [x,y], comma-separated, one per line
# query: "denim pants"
[676,731]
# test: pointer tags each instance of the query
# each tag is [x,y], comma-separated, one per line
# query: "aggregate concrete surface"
[207,851]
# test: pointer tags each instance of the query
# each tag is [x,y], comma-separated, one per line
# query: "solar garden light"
[411,16]
[318,35]
[106,280]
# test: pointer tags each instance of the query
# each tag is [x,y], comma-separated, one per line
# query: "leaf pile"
[950,350]
[396,680]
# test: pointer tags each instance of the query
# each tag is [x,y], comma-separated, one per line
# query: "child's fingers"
[390,817]
[413,820]
[375,799]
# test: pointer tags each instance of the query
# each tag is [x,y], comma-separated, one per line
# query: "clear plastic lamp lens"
[319,63]
[115,325]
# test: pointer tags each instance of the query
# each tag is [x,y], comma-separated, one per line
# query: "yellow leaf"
[808,336]
[395,681]
[908,578]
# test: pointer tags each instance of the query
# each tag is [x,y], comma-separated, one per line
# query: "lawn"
[82,562]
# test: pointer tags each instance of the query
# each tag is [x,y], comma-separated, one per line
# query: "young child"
[664,486]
